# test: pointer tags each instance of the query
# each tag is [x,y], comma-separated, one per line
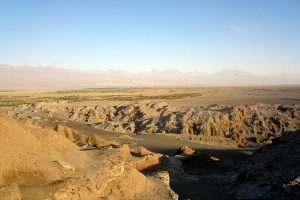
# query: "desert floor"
[183,97]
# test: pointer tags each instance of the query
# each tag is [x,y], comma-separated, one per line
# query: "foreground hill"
[39,163]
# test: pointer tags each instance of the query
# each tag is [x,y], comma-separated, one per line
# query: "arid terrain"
[149,100]
[150,143]
[179,96]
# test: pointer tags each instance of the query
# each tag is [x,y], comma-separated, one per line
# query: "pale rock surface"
[140,151]
[242,125]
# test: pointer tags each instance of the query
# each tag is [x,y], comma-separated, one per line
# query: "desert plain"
[178,96]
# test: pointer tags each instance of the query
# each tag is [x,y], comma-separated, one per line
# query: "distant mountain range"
[18,77]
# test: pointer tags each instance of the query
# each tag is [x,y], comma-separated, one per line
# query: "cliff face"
[273,171]
[243,125]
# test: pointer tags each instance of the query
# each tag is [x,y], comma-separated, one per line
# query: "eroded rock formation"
[243,125]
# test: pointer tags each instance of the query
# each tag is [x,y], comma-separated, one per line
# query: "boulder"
[184,150]
[140,151]
[149,161]
[125,149]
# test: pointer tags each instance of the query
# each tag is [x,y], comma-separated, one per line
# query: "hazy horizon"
[52,67]
[259,37]
[54,77]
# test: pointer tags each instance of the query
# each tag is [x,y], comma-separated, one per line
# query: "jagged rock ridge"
[242,125]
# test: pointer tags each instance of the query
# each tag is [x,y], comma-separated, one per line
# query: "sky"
[258,36]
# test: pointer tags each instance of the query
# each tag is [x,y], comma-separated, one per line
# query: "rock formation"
[184,150]
[243,125]
[39,163]
[272,172]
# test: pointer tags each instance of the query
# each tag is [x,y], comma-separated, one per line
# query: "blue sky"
[259,36]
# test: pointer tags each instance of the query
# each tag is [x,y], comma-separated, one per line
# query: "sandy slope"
[41,163]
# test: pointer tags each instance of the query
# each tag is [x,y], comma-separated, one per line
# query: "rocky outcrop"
[38,163]
[82,140]
[111,178]
[140,151]
[146,162]
[243,125]
[272,172]
[184,150]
